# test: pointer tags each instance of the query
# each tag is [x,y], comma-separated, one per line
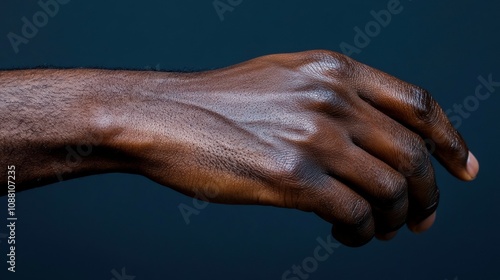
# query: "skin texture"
[315,131]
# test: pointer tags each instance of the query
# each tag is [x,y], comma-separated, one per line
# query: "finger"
[405,152]
[349,213]
[382,186]
[415,108]
[386,236]
[423,225]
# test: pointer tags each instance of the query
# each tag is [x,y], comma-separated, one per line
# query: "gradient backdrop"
[92,228]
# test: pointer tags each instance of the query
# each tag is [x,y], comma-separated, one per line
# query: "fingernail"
[472,166]
[423,225]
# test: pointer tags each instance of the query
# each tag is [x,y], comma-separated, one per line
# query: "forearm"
[61,124]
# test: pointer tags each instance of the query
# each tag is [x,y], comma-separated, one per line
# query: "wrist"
[136,114]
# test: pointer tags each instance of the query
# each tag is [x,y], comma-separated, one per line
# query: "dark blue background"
[85,228]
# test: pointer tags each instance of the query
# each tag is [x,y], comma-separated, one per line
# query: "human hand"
[315,131]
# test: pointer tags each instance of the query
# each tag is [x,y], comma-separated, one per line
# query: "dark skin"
[315,131]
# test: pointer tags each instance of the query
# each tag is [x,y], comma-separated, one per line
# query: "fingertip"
[472,166]
[354,236]
[386,236]
[423,225]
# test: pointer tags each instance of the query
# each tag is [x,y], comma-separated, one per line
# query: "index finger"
[415,108]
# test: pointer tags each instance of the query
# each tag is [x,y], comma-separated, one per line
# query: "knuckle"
[289,168]
[319,93]
[420,165]
[417,159]
[393,192]
[325,96]
[422,104]
[295,180]
[457,147]
[360,214]
[417,154]
[299,135]
[328,62]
